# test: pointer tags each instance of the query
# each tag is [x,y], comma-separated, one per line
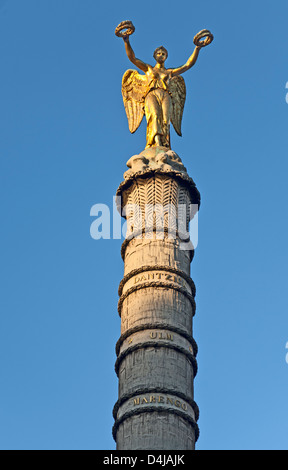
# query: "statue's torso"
[158,78]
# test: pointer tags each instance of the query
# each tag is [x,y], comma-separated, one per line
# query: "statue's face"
[160,55]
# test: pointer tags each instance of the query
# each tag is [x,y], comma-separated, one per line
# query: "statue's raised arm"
[124,30]
[160,94]
[202,39]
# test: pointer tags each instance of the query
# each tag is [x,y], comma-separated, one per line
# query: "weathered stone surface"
[155,431]
[156,353]
[159,157]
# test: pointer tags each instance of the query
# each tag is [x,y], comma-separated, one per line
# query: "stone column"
[156,353]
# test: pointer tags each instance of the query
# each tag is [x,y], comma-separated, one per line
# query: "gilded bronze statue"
[159,94]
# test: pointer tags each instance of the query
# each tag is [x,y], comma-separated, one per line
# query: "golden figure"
[159,94]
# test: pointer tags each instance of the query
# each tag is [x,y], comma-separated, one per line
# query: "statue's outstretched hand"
[203,38]
[124,29]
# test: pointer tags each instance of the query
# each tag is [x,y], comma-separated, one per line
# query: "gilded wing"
[177,89]
[134,88]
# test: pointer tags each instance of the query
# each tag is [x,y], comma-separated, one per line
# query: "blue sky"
[64,143]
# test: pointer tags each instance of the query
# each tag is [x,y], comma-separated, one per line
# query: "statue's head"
[160,54]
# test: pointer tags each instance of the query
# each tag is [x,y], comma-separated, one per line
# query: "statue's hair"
[161,48]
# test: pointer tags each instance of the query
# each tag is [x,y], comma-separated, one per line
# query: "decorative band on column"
[166,285]
[141,235]
[152,344]
[156,326]
[183,178]
[150,409]
[157,267]
[155,390]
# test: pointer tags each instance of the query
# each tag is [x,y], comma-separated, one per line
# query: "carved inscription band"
[156,267]
[156,326]
[153,391]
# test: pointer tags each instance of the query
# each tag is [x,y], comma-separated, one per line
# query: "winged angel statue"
[159,94]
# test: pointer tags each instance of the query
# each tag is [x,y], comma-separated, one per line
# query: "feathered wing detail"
[177,89]
[134,88]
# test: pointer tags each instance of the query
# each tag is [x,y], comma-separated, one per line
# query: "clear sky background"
[64,143]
